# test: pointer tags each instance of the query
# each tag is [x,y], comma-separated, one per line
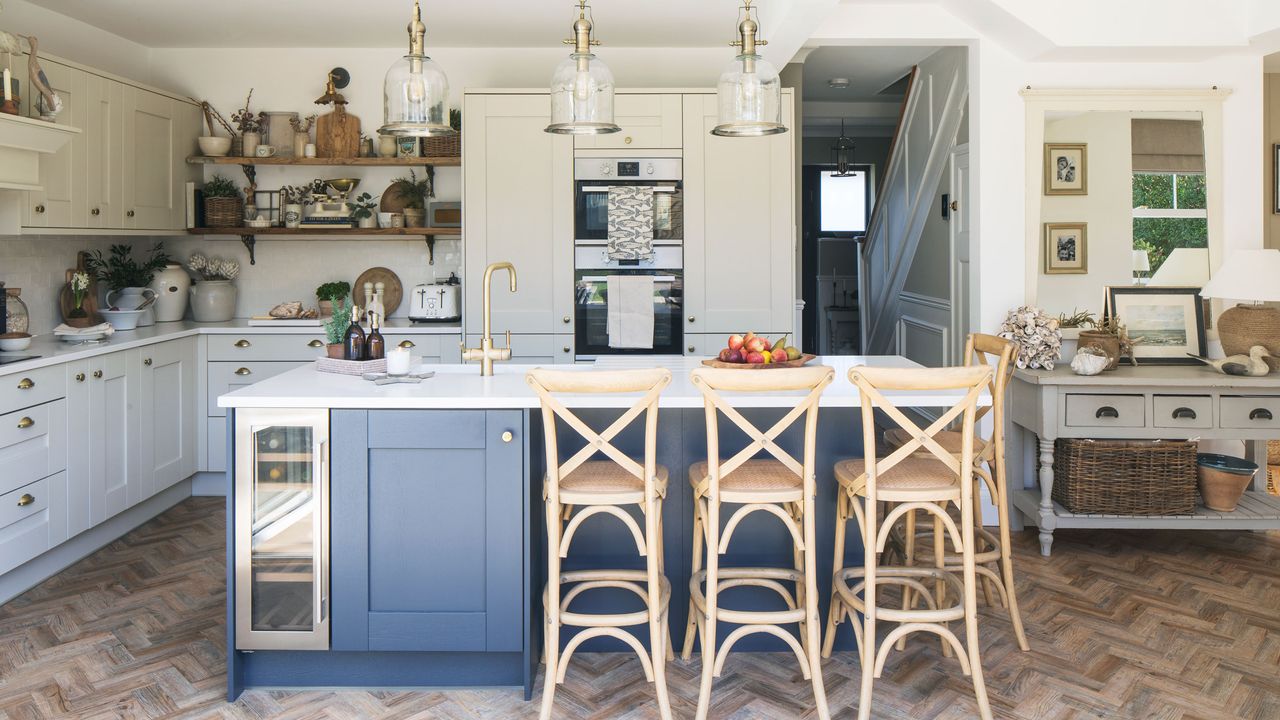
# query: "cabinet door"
[80,461]
[447,484]
[62,172]
[187,120]
[648,121]
[167,419]
[739,208]
[113,435]
[518,208]
[103,141]
[149,153]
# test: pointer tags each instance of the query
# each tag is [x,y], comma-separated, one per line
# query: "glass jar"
[18,319]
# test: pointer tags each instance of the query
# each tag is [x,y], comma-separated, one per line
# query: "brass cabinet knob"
[955,206]
[95,212]
[243,343]
[39,209]
[627,140]
[507,436]
[97,373]
[244,371]
[25,423]
[26,499]
[129,214]
[692,349]
[25,384]
[315,344]
[406,344]
[566,348]
[566,319]
[79,377]
[147,362]
[692,318]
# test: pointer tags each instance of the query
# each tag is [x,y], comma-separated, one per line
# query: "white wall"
[74,40]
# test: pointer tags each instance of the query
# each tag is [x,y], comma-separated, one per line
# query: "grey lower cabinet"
[428,530]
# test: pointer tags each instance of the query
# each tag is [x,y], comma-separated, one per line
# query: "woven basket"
[444,146]
[1273,479]
[222,212]
[1125,477]
[1243,326]
[350,367]
[1273,452]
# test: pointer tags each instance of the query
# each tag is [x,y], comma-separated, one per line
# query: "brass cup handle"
[95,212]
[147,362]
[315,344]
[25,384]
[507,436]
[26,499]
[79,377]
[97,373]
[243,343]
[406,344]
[244,371]
[25,423]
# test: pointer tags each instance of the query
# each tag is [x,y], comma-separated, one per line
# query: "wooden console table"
[1144,403]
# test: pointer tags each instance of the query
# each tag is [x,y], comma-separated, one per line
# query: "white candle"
[8,89]
[398,361]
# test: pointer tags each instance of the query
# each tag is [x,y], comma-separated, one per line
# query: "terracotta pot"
[336,351]
[326,308]
[415,217]
[1223,480]
[1108,343]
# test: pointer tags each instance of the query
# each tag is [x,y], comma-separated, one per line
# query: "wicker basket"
[220,212]
[1125,477]
[443,146]
[350,367]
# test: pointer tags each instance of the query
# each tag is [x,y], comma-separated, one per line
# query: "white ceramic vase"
[171,285]
[213,301]
[250,143]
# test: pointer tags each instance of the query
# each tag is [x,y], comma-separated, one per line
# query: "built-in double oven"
[594,177]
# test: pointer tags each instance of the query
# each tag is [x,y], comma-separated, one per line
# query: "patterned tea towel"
[630,223]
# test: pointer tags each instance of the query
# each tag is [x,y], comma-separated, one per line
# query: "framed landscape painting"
[1066,248]
[1164,323]
[1066,169]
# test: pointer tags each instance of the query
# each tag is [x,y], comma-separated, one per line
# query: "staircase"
[926,134]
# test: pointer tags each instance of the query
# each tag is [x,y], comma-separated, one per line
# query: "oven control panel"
[648,169]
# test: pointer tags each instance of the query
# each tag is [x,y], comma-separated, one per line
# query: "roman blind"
[1167,146]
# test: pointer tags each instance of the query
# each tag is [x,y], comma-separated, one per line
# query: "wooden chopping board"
[66,301]
[392,292]
[338,134]
[718,363]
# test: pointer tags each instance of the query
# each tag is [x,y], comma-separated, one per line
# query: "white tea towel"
[630,222]
[65,330]
[630,299]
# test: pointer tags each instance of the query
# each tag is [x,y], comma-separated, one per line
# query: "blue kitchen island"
[391,536]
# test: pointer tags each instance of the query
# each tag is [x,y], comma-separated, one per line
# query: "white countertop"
[53,351]
[462,387]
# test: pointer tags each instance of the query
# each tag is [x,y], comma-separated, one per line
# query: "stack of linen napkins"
[67,331]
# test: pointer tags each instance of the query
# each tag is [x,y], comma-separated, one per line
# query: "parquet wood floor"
[1167,626]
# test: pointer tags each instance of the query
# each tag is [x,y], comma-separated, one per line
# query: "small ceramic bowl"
[15,344]
[258,223]
[214,146]
[123,319]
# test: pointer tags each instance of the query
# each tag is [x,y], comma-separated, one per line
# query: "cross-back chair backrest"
[872,383]
[997,353]
[550,383]
[711,382]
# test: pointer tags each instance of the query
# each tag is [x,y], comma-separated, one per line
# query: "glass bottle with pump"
[354,344]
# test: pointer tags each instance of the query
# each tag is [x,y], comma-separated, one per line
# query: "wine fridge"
[282,529]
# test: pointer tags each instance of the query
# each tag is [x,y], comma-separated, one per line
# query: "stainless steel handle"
[1106,411]
[507,436]
[147,362]
[605,278]
[25,423]
[406,344]
[39,209]
[26,384]
[79,377]
[566,319]
[243,343]
[1184,413]
[26,499]
[1261,414]
[129,214]
[95,212]
[607,188]
[97,373]
[315,344]
[244,371]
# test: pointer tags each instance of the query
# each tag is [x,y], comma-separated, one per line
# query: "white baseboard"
[209,484]
[37,570]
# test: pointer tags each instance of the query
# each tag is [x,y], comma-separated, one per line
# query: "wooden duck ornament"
[1251,365]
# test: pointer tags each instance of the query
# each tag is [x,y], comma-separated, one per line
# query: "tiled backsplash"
[38,264]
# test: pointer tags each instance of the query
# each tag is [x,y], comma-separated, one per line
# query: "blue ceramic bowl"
[1226,463]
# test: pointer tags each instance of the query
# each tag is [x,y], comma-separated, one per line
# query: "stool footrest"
[907,577]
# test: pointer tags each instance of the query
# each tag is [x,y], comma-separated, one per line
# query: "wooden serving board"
[717,363]
[393,291]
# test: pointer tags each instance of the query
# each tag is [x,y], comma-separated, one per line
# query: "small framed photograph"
[407,147]
[1066,248]
[1066,169]
[1164,323]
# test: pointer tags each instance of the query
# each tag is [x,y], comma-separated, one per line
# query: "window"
[844,202]
[1169,212]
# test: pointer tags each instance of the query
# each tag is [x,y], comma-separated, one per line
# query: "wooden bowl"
[718,363]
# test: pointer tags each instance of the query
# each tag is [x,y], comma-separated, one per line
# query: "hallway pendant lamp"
[749,93]
[582,86]
[415,92]
[843,151]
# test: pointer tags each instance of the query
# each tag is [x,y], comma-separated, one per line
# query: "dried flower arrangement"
[213,268]
[246,120]
[297,194]
[1036,334]
[302,125]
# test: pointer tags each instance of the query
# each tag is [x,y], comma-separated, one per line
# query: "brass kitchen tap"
[487,353]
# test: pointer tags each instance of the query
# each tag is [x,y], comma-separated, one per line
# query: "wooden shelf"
[328,162]
[321,232]
[1256,511]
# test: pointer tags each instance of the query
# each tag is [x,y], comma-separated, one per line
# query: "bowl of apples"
[755,352]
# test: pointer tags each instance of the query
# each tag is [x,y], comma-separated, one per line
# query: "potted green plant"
[409,195]
[335,328]
[329,293]
[362,210]
[126,280]
[222,204]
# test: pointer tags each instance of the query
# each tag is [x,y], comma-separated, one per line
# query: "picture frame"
[1066,168]
[1066,248]
[1165,324]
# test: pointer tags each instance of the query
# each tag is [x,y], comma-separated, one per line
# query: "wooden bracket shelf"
[453,161]
[248,235]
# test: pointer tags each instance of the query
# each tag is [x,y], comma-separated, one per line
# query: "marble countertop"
[52,351]
[462,387]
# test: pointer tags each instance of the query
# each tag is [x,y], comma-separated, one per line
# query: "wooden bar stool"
[781,486]
[914,482]
[604,486]
[989,459]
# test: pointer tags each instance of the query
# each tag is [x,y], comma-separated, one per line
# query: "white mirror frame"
[1039,103]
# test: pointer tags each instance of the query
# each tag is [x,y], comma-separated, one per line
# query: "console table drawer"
[1106,410]
[1254,413]
[1190,411]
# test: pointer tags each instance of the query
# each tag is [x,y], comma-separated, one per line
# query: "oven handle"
[607,188]
[605,278]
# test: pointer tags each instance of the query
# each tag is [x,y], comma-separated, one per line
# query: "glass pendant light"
[582,86]
[415,92]
[843,150]
[749,93]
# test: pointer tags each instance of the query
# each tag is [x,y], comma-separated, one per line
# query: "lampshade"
[1141,261]
[415,91]
[1251,275]
[1187,267]
[749,94]
[582,86]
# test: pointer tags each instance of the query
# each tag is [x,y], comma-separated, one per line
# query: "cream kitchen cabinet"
[61,173]
[739,215]
[168,423]
[517,207]
[103,148]
[103,417]
[155,158]
[648,120]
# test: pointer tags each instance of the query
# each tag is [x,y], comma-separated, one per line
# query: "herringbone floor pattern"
[1166,626]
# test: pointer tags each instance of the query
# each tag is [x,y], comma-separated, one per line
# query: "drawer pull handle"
[79,377]
[25,423]
[507,436]
[406,344]
[244,371]
[97,373]
[315,344]
[1261,414]
[26,499]
[25,384]
[243,343]
[1106,411]
[147,362]
[1184,413]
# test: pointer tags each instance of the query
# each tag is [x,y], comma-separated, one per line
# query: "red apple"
[724,355]
[735,342]
[755,345]
[735,356]
[780,355]
[755,358]
[765,346]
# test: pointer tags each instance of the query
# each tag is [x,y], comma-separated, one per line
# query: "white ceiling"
[869,70]
[381,23]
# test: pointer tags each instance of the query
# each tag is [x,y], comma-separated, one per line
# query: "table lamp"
[1253,276]
[1141,266]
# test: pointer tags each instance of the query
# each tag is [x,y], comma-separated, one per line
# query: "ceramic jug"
[171,285]
[213,301]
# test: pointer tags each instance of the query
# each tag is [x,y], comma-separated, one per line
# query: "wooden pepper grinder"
[337,132]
